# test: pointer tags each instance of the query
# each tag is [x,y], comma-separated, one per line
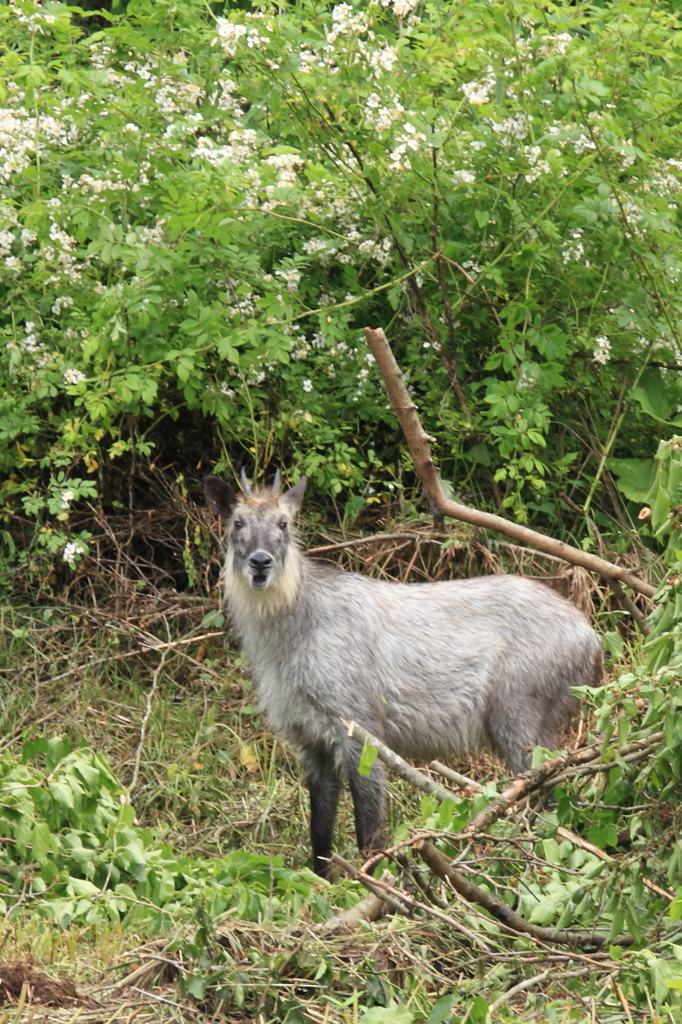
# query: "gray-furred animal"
[435,670]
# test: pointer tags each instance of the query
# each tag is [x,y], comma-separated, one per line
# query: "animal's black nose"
[261,561]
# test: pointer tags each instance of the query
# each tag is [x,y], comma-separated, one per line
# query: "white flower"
[307,385]
[575,250]
[464,177]
[285,160]
[409,139]
[602,352]
[345,21]
[73,376]
[401,8]
[538,165]
[314,245]
[383,59]
[478,93]
[229,35]
[66,497]
[241,148]
[511,129]
[62,302]
[380,116]
[583,145]
[291,277]
[472,268]
[558,45]
[6,242]
[381,253]
[71,552]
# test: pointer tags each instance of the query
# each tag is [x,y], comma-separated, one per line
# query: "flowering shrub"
[202,213]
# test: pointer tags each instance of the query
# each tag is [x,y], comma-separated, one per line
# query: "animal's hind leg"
[324,786]
[368,800]
[511,737]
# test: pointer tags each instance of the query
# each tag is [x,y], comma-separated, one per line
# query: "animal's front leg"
[324,786]
[368,799]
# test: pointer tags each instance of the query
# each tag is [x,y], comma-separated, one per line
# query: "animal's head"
[261,535]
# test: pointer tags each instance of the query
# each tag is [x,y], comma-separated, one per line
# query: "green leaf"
[81,887]
[196,986]
[367,759]
[651,395]
[478,1013]
[676,907]
[602,836]
[387,1015]
[213,620]
[613,643]
[544,911]
[40,841]
[62,794]
[634,477]
[442,1008]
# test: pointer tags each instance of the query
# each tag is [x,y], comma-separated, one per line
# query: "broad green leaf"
[367,759]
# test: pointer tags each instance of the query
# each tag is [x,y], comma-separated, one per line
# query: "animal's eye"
[237,524]
[283,524]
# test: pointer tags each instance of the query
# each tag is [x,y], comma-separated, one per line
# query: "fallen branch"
[549,772]
[577,840]
[143,974]
[346,921]
[440,865]
[538,979]
[517,789]
[396,764]
[386,891]
[372,884]
[630,606]
[418,443]
[522,986]
[453,776]
[146,646]
[553,772]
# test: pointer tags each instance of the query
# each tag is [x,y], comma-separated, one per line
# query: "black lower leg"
[368,800]
[324,786]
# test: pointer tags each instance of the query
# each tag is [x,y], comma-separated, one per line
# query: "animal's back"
[434,669]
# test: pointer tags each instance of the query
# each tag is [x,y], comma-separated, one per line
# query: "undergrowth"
[153,830]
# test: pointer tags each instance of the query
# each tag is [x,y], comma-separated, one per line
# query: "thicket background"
[201,206]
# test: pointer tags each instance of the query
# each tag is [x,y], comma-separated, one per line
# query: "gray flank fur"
[435,670]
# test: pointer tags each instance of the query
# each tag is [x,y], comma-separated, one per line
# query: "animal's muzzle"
[260,563]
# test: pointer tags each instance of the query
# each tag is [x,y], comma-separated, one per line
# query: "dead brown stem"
[440,865]
[389,892]
[418,442]
[368,909]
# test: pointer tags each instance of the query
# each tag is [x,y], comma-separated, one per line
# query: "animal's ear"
[293,498]
[220,496]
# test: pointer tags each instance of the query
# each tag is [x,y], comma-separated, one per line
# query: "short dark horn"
[276,483]
[245,483]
